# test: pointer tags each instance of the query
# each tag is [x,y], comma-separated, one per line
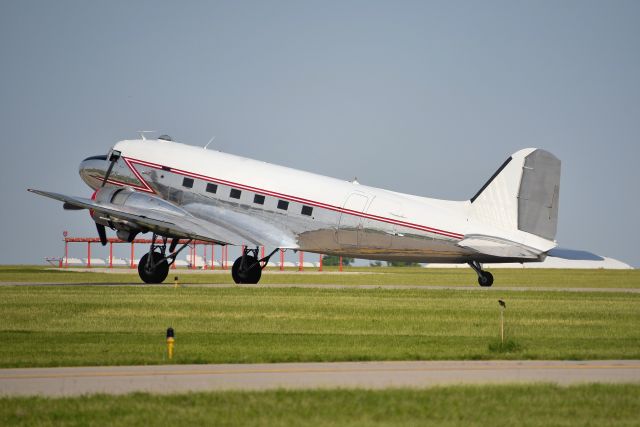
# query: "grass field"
[100,325]
[528,405]
[364,276]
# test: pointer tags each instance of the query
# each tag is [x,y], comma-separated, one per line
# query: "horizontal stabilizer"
[574,254]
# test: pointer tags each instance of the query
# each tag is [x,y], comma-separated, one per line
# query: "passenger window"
[212,188]
[258,199]
[307,210]
[282,204]
[187,182]
[235,194]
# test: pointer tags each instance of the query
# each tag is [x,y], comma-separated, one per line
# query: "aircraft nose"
[92,170]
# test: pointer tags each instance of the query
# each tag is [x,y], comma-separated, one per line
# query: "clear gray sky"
[422,97]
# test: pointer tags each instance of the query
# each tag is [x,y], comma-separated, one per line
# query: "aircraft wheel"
[248,276]
[156,274]
[486,279]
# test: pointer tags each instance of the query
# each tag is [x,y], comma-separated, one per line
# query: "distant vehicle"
[177,191]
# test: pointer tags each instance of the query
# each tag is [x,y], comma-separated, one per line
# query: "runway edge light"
[170,342]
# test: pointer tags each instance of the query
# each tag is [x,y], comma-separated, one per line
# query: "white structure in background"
[95,262]
[181,263]
[558,258]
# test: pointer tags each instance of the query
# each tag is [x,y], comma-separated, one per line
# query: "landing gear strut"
[248,268]
[154,265]
[485,279]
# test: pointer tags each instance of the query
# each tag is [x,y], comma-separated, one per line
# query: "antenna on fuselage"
[210,141]
[142,132]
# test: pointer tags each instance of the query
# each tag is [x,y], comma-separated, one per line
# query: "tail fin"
[522,195]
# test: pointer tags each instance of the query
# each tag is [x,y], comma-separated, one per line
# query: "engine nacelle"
[128,197]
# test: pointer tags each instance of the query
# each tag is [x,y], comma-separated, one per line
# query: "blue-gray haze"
[421,97]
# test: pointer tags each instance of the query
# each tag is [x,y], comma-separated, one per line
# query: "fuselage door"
[351,223]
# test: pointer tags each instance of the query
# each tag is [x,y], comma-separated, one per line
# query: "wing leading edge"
[168,223]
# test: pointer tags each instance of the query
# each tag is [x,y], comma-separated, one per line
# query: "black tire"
[486,279]
[157,274]
[248,276]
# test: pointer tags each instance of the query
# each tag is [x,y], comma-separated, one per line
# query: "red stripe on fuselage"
[130,162]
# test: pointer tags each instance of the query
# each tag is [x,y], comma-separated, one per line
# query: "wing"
[177,222]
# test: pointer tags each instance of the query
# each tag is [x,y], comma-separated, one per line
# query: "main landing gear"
[248,268]
[154,265]
[485,279]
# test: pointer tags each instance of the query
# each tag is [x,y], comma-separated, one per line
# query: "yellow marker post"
[175,282]
[170,342]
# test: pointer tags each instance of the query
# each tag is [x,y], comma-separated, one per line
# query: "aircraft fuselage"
[300,210]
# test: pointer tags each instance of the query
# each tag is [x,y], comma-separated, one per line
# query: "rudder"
[523,194]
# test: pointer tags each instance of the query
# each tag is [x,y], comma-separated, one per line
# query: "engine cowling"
[128,197]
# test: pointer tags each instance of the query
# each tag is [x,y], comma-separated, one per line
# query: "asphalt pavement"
[371,375]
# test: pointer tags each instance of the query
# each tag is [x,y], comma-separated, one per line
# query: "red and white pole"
[88,254]
[320,267]
[301,261]
[110,254]
[340,263]
[133,264]
[204,259]
[281,259]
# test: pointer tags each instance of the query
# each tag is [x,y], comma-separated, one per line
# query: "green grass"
[95,325]
[366,276]
[505,405]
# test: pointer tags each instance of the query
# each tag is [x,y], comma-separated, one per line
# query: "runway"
[474,288]
[371,375]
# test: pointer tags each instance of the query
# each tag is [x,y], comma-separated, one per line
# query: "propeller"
[102,231]
[113,158]
[174,244]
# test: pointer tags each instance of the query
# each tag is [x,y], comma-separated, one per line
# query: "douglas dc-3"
[177,191]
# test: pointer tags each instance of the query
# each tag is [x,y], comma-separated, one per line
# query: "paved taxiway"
[375,375]
[335,286]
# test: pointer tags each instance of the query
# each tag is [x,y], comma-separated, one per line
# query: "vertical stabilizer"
[522,195]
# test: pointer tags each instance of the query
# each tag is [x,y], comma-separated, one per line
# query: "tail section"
[522,195]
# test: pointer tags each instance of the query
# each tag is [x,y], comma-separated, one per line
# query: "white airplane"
[177,191]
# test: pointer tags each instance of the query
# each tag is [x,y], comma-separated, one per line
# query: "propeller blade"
[102,232]
[115,155]
[174,244]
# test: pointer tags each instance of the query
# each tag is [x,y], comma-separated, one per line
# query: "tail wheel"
[485,279]
[251,272]
[158,271]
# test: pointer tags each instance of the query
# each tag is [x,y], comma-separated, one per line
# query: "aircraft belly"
[383,246]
